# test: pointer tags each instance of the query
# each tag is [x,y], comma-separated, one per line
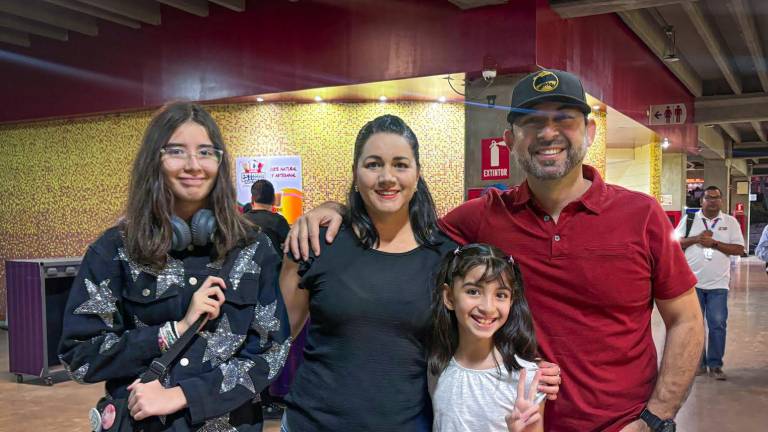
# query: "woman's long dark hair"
[515,337]
[421,209]
[146,225]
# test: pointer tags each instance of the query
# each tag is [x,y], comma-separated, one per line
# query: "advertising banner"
[284,172]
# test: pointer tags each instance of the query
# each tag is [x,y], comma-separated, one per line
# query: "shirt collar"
[594,199]
[719,215]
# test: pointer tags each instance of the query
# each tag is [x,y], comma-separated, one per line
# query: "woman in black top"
[143,284]
[369,296]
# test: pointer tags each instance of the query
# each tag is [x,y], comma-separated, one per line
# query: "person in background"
[761,251]
[713,238]
[273,224]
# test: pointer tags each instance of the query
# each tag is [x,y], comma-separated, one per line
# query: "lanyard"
[714,223]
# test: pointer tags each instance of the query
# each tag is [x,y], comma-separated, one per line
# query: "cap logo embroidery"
[545,81]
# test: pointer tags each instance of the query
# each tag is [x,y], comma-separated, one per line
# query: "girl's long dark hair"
[146,225]
[515,337]
[421,209]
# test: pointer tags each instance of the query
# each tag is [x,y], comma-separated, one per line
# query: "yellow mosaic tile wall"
[63,182]
[596,153]
[656,167]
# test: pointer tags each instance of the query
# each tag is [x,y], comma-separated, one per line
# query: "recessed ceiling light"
[441,99]
[383,98]
[318,99]
[259,99]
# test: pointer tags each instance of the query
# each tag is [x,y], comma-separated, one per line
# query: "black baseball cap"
[547,85]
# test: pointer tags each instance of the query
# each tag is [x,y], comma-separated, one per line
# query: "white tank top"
[477,400]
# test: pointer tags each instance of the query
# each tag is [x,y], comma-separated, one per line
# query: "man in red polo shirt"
[595,258]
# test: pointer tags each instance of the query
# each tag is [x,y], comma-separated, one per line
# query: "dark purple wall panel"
[25,321]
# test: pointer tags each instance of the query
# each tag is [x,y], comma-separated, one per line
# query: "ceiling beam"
[750,145]
[32,27]
[714,43]
[731,109]
[647,29]
[732,132]
[195,7]
[146,11]
[741,10]
[14,37]
[759,129]
[582,8]
[712,141]
[471,4]
[235,5]
[50,15]
[95,12]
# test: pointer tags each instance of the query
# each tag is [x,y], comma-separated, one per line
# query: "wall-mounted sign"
[666,114]
[666,200]
[284,172]
[494,159]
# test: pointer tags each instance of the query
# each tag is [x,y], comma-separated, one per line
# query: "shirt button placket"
[556,246]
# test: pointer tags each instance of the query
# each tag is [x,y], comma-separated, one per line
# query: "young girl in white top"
[482,345]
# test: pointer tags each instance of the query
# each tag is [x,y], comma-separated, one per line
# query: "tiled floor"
[739,404]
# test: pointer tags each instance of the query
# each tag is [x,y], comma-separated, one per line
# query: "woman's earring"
[356,189]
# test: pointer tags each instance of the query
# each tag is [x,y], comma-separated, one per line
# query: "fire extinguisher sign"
[494,160]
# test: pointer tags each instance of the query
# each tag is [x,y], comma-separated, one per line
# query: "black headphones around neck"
[199,232]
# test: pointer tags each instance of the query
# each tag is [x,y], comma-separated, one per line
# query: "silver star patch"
[222,344]
[235,372]
[109,340]
[275,357]
[244,264]
[172,274]
[101,302]
[79,374]
[216,265]
[134,267]
[138,323]
[218,424]
[264,320]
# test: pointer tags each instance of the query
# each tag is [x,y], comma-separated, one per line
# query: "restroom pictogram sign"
[494,160]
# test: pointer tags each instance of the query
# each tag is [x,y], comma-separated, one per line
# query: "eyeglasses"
[712,198]
[205,155]
[538,120]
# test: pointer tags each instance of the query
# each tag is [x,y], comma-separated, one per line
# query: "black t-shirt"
[364,363]
[274,226]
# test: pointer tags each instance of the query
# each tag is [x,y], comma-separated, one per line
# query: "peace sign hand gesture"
[525,416]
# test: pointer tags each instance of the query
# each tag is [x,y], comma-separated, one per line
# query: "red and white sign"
[494,160]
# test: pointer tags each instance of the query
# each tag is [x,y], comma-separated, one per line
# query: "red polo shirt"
[590,280]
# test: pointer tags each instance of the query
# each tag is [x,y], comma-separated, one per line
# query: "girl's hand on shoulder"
[550,379]
[206,300]
[525,416]
[152,399]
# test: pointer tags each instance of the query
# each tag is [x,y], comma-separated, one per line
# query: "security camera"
[489,74]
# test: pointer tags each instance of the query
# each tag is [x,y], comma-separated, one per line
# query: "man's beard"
[540,171]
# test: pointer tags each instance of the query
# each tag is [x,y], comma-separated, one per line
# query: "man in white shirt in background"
[713,237]
[761,251]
